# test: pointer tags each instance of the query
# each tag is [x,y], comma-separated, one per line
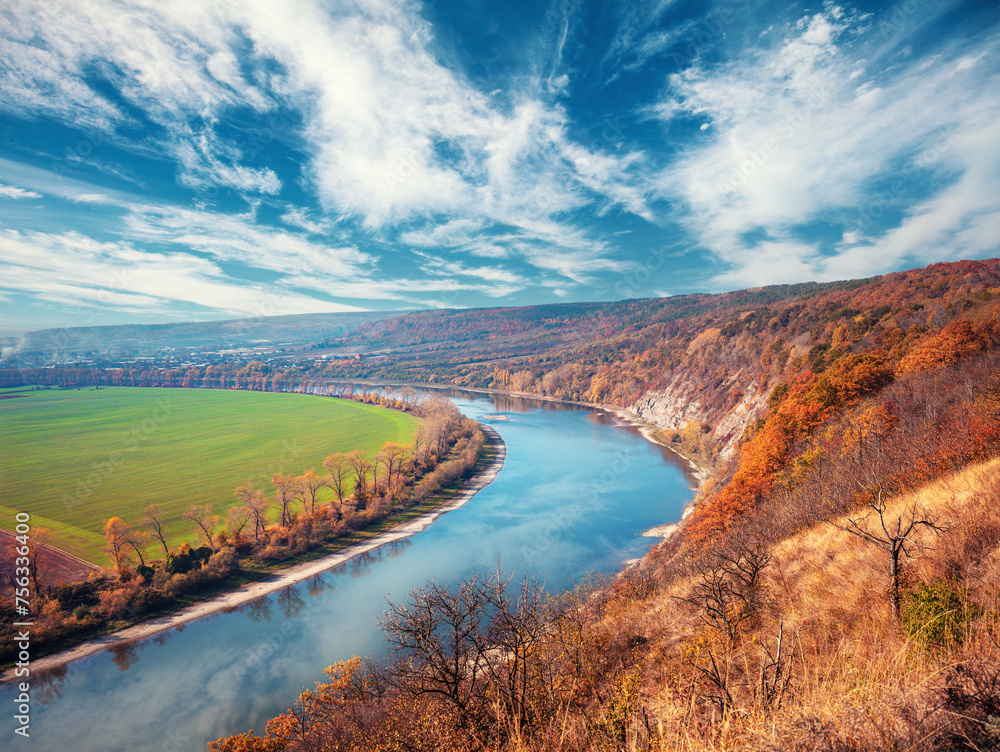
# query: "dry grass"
[627,665]
[859,682]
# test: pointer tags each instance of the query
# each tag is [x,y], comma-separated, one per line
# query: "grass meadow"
[73,458]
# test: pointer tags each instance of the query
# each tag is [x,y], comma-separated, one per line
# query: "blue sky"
[167,160]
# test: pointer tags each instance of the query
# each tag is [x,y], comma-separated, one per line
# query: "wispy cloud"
[297,217]
[169,63]
[640,35]
[76,271]
[393,138]
[11,191]
[237,238]
[821,122]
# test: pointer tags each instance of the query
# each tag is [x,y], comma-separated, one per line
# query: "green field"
[73,458]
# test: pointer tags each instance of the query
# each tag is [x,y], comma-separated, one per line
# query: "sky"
[191,160]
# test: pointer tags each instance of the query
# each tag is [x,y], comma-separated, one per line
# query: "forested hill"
[547,326]
[710,359]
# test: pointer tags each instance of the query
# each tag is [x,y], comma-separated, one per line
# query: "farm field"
[73,458]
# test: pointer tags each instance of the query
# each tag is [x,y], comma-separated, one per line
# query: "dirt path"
[277,580]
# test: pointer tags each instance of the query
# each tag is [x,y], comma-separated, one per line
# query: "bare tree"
[392,456]
[201,518]
[336,465]
[237,519]
[729,589]
[309,485]
[440,419]
[286,489]
[36,544]
[438,638]
[153,518]
[116,535]
[894,536]
[456,642]
[138,540]
[257,504]
[360,465]
[516,631]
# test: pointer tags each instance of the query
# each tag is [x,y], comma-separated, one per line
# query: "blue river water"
[577,489]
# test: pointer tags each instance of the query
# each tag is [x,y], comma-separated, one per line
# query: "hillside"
[836,587]
[702,359]
[852,430]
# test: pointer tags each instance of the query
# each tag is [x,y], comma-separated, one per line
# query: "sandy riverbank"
[277,580]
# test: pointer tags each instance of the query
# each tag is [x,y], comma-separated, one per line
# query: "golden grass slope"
[858,679]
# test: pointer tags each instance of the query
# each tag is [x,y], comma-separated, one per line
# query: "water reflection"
[47,686]
[361,565]
[319,585]
[291,601]
[259,609]
[124,654]
[508,404]
[397,547]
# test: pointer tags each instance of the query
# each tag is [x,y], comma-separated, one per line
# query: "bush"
[938,614]
[79,594]
[118,603]
[186,559]
[272,553]
[224,562]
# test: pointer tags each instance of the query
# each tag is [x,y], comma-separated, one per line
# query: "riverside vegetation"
[369,493]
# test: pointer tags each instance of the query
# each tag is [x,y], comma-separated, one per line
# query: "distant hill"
[294,329]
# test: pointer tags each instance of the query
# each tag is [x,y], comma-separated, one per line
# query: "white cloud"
[450,234]
[238,239]
[10,191]
[811,127]
[436,266]
[392,137]
[173,61]
[297,217]
[202,169]
[640,37]
[80,272]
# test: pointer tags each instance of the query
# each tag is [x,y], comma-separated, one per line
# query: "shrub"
[272,553]
[937,614]
[224,562]
[117,603]
[79,594]
[186,559]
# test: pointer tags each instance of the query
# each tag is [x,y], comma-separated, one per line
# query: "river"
[577,488]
